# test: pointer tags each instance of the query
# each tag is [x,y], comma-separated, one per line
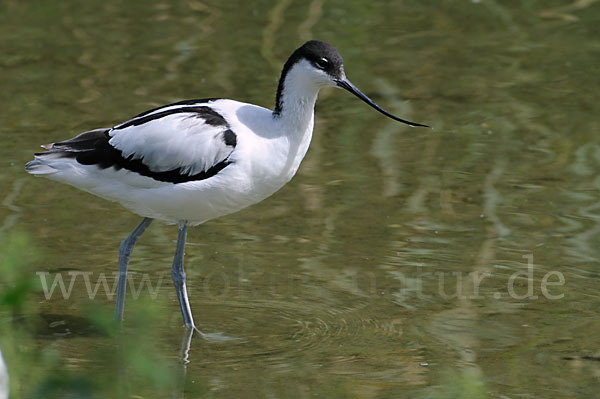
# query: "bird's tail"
[49,162]
[39,167]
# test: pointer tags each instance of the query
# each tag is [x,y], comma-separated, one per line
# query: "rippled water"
[455,262]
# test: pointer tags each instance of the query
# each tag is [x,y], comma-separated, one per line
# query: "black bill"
[345,84]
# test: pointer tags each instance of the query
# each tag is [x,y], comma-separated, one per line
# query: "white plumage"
[175,141]
[197,160]
[260,163]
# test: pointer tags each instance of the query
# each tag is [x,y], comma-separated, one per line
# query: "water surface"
[455,262]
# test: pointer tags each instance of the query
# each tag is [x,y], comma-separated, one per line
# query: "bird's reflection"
[184,354]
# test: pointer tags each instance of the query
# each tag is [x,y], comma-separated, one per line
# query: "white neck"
[296,101]
[293,118]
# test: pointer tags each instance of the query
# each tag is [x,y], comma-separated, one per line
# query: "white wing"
[187,140]
[176,143]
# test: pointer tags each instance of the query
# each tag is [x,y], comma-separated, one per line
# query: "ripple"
[279,332]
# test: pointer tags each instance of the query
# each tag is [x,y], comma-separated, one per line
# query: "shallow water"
[455,262]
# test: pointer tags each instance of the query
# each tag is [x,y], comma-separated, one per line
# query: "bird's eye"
[322,63]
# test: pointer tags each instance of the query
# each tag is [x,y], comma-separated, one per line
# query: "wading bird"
[197,160]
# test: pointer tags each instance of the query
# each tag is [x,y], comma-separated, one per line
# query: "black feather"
[208,114]
[94,148]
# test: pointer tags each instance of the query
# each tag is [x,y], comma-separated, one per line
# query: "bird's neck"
[295,101]
[293,120]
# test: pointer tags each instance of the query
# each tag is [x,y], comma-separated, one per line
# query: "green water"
[458,262]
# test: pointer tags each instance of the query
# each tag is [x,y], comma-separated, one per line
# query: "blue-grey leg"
[124,254]
[178,276]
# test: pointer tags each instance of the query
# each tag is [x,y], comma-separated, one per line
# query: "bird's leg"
[178,276]
[124,254]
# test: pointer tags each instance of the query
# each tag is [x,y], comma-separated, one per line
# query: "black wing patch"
[208,114]
[183,103]
[230,138]
[93,148]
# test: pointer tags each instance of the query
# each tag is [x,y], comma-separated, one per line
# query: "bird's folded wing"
[174,144]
